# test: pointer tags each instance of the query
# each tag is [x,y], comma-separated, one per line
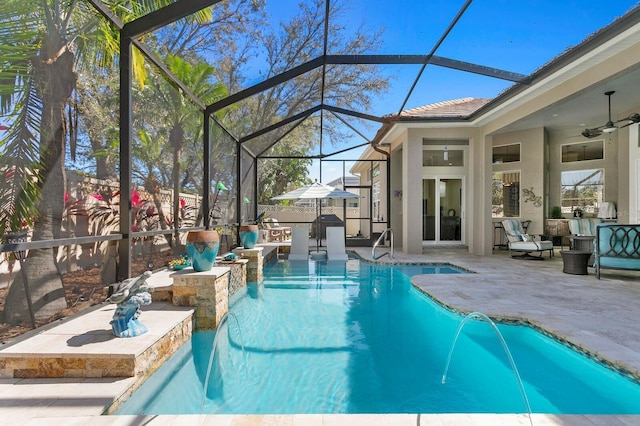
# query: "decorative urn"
[248,235]
[202,248]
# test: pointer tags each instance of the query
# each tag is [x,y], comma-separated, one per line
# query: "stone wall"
[208,291]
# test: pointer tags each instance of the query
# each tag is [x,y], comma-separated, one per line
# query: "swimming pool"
[358,338]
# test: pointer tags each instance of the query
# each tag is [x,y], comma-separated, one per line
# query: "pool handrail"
[380,239]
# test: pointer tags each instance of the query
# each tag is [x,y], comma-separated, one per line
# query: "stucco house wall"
[531,168]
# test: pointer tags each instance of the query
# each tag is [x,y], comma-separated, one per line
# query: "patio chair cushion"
[584,226]
[336,243]
[531,245]
[299,244]
[513,230]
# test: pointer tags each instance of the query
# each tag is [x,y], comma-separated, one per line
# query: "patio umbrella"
[316,191]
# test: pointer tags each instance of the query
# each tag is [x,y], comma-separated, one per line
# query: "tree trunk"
[55,78]
[105,166]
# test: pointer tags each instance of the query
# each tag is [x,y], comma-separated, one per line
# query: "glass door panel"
[450,209]
[429,209]
[442,209]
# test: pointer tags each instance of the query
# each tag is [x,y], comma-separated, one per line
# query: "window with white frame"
[582,190]
[583,151]
[374,171]
[506,153]
[505,196]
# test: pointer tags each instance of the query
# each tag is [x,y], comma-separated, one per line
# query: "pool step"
[84,346]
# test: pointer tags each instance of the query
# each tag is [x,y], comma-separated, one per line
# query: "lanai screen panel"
[382,90]
[248,167]
[354,86]
[269,38]
[40,142]
[463,85]
[138,9]
[288,100]
[166,139]
[194,48]
[339,135]
[284,165]
[224,176]
[279,175]
[92,199]
[271,142]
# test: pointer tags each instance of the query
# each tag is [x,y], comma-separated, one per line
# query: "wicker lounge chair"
[275,232]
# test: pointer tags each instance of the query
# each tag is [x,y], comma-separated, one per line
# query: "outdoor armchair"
[518,240]
[275,231]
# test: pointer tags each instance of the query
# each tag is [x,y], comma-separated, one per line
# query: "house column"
[480,239]
[634,177]
[412,195]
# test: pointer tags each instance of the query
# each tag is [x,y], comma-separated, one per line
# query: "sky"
[515,36]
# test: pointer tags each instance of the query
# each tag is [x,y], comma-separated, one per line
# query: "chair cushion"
[531,245]
[584,226]
[513,230]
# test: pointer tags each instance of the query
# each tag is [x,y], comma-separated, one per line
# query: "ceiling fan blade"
[591,133]
[632,119]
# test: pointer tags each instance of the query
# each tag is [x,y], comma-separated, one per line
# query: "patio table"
[575,262]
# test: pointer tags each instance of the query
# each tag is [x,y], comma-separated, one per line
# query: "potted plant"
[556,212]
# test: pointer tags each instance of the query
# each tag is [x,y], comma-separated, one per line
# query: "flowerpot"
[249,235]
[202,248]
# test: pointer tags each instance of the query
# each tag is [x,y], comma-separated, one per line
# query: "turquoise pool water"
[358,338]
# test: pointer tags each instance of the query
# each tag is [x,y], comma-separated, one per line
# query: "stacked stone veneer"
[237,275]
[58,359]
[208,291]
[254,266]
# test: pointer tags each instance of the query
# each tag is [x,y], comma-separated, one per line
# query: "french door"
[442,209]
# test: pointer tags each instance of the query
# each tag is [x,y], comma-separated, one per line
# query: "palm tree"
[41,44]
[183,119]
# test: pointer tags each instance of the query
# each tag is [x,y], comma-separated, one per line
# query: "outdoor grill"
[325,220]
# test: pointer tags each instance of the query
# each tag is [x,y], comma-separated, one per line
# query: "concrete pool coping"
[597,315]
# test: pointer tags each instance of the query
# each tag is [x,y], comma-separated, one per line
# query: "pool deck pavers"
[599,316]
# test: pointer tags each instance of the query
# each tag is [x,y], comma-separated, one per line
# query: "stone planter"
[202,248]
[248,235]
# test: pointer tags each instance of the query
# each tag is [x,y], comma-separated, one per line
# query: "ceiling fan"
[611,126]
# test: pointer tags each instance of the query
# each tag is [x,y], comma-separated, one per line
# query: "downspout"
[376,148]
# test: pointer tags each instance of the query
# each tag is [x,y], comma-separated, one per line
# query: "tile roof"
[453,108]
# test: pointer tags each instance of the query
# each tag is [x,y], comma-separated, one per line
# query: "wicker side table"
[575,262]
